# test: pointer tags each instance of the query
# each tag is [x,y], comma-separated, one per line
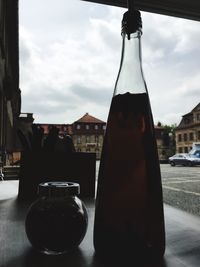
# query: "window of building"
[191,136]
[198,135]
[180,150]
[185,137]
[78,139]
[179,137]
[198,116]
[87,126]
[87,149]
[96,127]
[97,139]
[88,139]
[78,126]
[186,149]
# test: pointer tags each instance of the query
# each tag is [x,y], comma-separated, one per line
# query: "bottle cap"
[58,189]
[131,22]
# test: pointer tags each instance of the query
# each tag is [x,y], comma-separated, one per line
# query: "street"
[181,187]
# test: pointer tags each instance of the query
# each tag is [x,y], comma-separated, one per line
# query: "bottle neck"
[130,77]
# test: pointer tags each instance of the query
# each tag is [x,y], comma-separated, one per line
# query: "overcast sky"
[69,59]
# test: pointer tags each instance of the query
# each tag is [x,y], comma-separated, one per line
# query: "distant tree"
[169,138]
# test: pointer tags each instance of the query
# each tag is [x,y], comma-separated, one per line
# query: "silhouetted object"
[36,138]
[64,144]
[129,221]
[68,144]
[24,141]
[56,222]
[50,141]
[53,159]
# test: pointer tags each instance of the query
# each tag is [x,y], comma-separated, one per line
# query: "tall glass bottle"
[129,219]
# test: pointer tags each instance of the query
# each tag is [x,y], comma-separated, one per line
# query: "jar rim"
[58,188]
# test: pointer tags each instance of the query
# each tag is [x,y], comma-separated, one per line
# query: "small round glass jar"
[57,221]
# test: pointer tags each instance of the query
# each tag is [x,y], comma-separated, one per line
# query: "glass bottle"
[57,221]
[129,219]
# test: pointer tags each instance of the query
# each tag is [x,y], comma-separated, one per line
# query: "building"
[64,129]
[188,131]
[88,133]
[10,97]
[162,140]
[25,122]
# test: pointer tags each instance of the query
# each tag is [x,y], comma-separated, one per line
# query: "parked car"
[184,159]
[1,174]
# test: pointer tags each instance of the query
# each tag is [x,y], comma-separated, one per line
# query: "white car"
[184,159]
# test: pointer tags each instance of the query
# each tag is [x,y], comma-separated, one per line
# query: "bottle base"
[130,260]
[49,252]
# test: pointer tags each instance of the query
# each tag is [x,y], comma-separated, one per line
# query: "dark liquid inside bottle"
[129,219]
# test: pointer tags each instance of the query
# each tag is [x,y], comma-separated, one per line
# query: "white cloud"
[70,53]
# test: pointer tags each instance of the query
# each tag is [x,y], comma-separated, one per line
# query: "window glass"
[198,135]
[96,138]
[185,137]
[88,139]
[78,139]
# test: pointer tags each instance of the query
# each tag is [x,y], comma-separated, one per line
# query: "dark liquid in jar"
[129,219]
[54,227]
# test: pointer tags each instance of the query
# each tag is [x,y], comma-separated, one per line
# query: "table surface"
[182,238]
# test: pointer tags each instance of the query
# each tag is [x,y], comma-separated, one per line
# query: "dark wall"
[10,97]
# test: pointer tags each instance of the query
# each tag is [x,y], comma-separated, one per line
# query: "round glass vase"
[57,221]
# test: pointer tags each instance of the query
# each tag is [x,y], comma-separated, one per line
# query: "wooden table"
[182,230]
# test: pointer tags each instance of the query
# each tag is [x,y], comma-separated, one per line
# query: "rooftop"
[87,118]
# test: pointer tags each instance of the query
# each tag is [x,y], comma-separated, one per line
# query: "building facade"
[163,143]
[64,129]
[188,131]
[87,133]
[10,97]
